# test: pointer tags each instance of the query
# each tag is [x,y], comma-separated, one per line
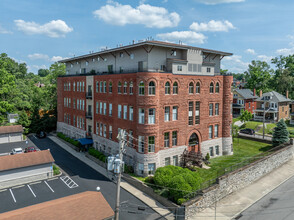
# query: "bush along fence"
[237,178]
[69,140]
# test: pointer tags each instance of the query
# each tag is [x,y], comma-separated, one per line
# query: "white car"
[16,151]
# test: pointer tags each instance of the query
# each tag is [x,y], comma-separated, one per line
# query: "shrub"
[97,154]
[181,201]
[207,157]
[56,170]
[149,179]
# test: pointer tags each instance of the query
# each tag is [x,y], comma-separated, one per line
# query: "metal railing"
[89,95]
[89,115]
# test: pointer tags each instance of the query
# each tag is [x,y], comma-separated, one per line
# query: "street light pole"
[120,137]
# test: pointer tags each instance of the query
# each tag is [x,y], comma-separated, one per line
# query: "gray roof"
[152,43]
[276,97]
[246,93]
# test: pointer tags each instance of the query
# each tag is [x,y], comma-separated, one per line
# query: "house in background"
[12,118]
[12,133]
[276,105]
[243,99]
[292,114]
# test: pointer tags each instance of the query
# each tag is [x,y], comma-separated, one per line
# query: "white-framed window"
[211,87]
[131,113]
[119,88]
[131,88]
[211,151]
[78,86]
[132,56]
[151,168]
[216,108]
[167,88]
[191,88]
[175,160]
[104,130]
[83,105]
[166,139]
[119,111]
[110,132]
[97,128]
[217,87]
[97,107]
[110,109]
[175,88]
[64,102]
[197,112]
[180,68]
[208,69]
[121,54]
[190,113]
[151,116]
[151,144]
[215,131]
[141,116]
[141,88]
[174,138]
[197,87]
[78,104]
[83,86]
[69,102]
[110,87]
[104,108]
[74,86]
[69,86]
[125,112]
[141,168]
[211,109]
[175,113]
[141,144]
[101,87]
[104,86]
[210,131]
[166,113]
[151,88]
[101,129]
[125,87]
[216,150]
[87,63]
[167,161]
[101,108]
[97,86]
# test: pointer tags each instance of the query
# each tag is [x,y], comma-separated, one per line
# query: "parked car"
[247,131]
[30,149]
[16,151]
[41,134]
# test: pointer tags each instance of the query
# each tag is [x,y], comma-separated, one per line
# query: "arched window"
[119,88]
[175,88]
[211,87]
[193,140]
[141,88]
[151,88]
[198,87]
[110,87]
[191,88]
[217,87]
[125,87]
[167,88]
[131,88]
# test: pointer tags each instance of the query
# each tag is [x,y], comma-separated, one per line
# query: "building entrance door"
[194,143]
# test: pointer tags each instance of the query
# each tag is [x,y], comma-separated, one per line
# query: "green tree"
[281,134]
[245,116]
[43,72]
[258,76]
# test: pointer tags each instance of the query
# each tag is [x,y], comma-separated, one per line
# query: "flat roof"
[11,129]
[86,206]
[152,43]
[10,162]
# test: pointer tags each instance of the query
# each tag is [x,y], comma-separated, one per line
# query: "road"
[88,179]
[277,205]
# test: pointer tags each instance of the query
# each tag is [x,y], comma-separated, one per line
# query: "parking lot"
[37,192]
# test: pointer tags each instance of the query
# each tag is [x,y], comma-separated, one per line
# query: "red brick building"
[181,103]
[244,99]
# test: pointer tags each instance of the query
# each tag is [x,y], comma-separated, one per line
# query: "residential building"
[11,133]
[243,99]
[168,98]
[274,105]
[292,114]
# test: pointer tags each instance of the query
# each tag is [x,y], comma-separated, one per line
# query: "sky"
[41,32]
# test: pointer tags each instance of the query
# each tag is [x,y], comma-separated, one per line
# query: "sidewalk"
[157,207]
[231,206]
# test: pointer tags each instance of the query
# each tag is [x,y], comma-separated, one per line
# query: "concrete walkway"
[231,206]
[156,206]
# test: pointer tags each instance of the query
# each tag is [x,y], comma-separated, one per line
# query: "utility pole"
[118,169]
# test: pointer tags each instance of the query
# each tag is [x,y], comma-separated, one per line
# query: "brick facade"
[158,102]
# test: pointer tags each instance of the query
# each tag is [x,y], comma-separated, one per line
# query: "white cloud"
[185,36]
[285,51]
[38,56]
[265,58]
[213,26]
[150,16]
[215,2]
[54,28]
[37,67]
[57,58]
[4,31]
[250,51]
[234,64]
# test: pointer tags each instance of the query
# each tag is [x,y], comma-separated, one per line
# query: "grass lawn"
[243,149]
[252,124]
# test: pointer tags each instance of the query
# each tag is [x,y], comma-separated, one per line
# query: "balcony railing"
[89,95]
[89,115]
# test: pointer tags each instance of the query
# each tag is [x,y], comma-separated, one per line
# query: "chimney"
[287,94]
[260,93]
[254,92]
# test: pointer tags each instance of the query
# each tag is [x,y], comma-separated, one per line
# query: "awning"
[85,141]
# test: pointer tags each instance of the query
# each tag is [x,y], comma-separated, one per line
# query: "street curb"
[285,180]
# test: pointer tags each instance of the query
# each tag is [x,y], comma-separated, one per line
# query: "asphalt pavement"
[88,179]
[277,205]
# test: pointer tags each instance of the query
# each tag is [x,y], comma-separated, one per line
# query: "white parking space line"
[69,182]
[12,195]
[35,137]
[31,190]
[49,186]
